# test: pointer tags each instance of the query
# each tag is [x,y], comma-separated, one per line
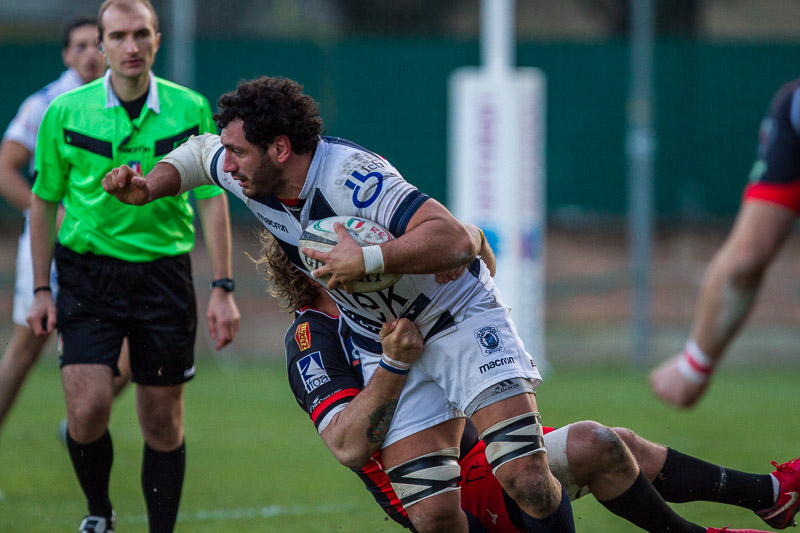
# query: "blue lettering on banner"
[312,371]
[357,188]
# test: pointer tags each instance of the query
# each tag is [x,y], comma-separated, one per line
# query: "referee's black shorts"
[101,300]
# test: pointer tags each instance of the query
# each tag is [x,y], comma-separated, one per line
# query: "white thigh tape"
[512,439]
[426,476]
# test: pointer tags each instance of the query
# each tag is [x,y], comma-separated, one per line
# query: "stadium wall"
[390,95]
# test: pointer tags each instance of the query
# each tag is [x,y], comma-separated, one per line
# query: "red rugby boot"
[781,515]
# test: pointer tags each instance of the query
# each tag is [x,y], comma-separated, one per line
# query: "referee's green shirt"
[84,134]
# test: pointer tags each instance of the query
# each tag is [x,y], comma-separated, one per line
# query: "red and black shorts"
[102,300]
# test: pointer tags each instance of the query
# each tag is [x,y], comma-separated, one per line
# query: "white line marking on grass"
[243,514]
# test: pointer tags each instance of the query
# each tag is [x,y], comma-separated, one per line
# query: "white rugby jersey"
[24,127]
[348,180]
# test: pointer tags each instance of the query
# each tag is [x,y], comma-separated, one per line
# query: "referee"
[124,271]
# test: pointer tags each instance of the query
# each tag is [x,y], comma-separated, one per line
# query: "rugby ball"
[321,236]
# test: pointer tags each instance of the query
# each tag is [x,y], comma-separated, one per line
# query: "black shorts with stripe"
[102,300]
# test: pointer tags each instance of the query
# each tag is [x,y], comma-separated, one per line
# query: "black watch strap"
[226,284]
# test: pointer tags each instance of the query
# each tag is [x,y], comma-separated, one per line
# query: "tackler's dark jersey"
[325,375]
[324,372]
[775,176]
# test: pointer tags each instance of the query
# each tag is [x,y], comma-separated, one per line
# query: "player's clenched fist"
[401,340]
[127,185]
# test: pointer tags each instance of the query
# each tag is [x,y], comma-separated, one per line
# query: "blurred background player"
[770,205]
[125,272]
[84,64]
[616,465]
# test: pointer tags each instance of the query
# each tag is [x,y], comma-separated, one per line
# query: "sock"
[475,525]
[92,464]
[643,506]
[560,521]
[162,482]
[685,479]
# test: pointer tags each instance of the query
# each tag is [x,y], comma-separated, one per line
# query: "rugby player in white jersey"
[84,64]
[272,156]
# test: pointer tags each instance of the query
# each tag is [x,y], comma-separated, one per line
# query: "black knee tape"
[426,476]
[513,438]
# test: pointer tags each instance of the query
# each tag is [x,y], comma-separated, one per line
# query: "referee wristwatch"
[226,284]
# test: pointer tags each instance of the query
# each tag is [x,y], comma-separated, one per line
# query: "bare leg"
[599,459]
[440,513]
[124,365]
[526,479]
[22,352]
[88,393]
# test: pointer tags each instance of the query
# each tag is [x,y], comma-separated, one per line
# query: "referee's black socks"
[162,482]
[92,464]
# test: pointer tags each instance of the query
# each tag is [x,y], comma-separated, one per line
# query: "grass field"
[255,463]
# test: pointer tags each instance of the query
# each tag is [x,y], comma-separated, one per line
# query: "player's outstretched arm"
[357,432]
[179,171]
[727,296]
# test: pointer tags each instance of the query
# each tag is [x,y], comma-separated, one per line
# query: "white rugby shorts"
[23,286]
[454,368]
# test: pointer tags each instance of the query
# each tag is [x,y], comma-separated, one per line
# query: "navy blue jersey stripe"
[366,343]
[291,252]
[214,163]
[405,211]
[444,322]
[320,208]
[475,268]
[351,144]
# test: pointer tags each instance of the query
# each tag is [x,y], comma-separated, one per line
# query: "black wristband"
[226,284]
[42,288]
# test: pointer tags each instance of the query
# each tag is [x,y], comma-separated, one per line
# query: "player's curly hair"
[286,282]
[270,107]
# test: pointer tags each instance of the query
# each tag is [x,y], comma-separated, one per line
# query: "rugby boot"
[781,515]
[726,530]
[98,524]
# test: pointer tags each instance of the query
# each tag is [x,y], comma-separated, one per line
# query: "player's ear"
[283,148]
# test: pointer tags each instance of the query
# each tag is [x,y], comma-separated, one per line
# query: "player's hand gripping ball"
[321,236]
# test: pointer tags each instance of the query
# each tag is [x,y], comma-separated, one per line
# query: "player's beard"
[268,180]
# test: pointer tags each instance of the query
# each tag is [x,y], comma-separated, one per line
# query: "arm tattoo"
[379,421]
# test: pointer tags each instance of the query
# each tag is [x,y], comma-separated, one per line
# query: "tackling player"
[770,206]
[325,375]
